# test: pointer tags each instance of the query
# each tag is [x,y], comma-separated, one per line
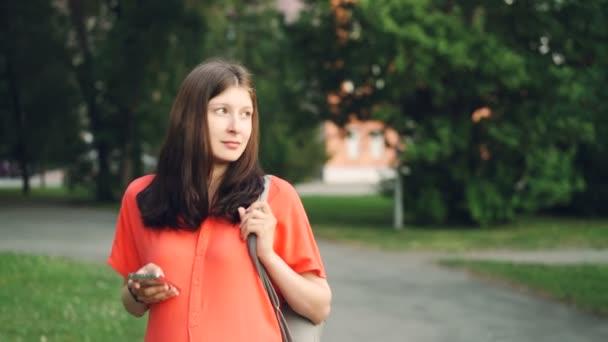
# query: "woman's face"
[229,116]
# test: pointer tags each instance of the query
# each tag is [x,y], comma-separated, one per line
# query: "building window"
[376,144]
[352,143]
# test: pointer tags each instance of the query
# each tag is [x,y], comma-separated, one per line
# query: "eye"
[247,113]
[221,110]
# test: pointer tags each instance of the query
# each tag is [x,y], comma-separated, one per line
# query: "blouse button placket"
[197,271]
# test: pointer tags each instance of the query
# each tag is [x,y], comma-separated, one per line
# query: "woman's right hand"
[150,291]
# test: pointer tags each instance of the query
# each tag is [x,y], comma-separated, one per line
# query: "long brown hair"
[178,195]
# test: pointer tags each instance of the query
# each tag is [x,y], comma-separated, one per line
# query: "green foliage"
[141,87]
[432,64]
[114,70]
[422,66]
[289,153]
[130,66]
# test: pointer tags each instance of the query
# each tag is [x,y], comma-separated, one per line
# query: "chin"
[229,158]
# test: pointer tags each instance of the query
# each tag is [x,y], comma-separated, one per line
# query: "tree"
[88,75]
[572,36]
[140,56]
[43,128]
[482,115]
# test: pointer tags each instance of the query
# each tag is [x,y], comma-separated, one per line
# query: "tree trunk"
[138,165]
[22,148]
[42,175]
[131,164]
[86,80]
[103,184]
[126,165]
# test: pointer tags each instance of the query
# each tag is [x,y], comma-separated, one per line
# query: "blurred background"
[461,130]
[486,109]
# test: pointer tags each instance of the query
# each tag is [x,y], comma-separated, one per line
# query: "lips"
[231,144]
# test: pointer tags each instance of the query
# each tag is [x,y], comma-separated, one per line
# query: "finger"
[161,296]
[244,219]
[260,206]
[133,284]
[266,208]
[250,215]
[245,213]
[152,291]
[151,299]
[152,268]
[146,292]
[256,222]
[249,228]
[257,214]
[244,232]
[254,226]
[150,282]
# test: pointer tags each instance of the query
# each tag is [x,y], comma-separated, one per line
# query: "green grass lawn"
[526,234]
[349,211]
[55,299]
[367,221]
[582,285]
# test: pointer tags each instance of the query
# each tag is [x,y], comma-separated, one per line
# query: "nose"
[232,124]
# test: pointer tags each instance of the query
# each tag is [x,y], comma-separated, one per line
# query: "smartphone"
[143,276]
[147,276]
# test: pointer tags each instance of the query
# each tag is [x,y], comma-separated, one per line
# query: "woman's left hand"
[258,219]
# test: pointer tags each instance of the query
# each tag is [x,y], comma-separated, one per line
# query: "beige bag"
[294,327]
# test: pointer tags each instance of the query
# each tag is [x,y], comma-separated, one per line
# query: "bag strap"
[272,295]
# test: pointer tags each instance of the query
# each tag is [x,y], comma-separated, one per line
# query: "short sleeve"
[294,239]
[124,257]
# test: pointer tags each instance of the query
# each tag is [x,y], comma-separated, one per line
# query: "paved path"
[378,296]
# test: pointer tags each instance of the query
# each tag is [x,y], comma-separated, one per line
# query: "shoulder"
[283,197]
[128,207]
[135,187]
[281,189]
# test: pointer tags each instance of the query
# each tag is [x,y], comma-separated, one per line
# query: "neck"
[216,178]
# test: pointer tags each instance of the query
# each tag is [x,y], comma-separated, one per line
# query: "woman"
[189,223]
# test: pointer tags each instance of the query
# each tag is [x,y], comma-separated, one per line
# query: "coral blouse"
[221,297]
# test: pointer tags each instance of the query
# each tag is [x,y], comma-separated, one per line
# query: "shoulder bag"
[294,327]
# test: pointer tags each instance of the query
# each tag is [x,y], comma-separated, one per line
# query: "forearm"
[308,296]
[134,308]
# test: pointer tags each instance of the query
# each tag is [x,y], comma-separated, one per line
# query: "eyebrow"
[227,105]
